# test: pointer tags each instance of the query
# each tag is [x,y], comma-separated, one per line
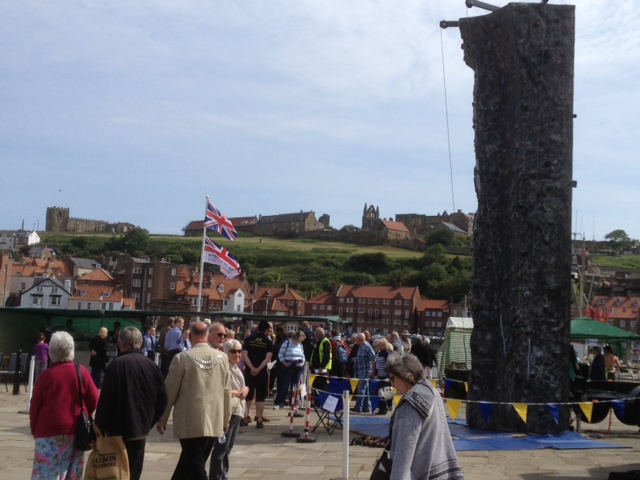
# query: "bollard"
[18,373]
[290,433]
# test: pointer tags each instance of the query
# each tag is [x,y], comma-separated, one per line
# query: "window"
[397,302]
[362,301]
[350,300]
[55,300]
[329,307]
[36,300]
[79,305]
[137,270]
[314,307]
[341,300]
[397,321]
[375,313]
[361,310]
[149,283]
[172,286]
[623,323]
[54,289]
[397,312]
[39,288]
[136,283]
[321,307]
[340,311]
[103,306]
[370,301]
[386,302]
[405,322]
[385,311]
[377,301]
[23,285]
[150,270]
[106,294]
[88,305]
[407,302]
[385,321]
[440,314]
[110,305]
[174,271]
[370,312]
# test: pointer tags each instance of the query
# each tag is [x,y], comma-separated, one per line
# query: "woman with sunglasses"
[421,445]
[219,465]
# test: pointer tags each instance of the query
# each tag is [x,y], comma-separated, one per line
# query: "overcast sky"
[134,111]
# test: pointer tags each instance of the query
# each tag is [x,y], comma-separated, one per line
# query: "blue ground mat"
[465,438]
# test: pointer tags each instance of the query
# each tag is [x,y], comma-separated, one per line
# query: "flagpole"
[204,234]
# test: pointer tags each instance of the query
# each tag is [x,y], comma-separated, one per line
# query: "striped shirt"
[291,353]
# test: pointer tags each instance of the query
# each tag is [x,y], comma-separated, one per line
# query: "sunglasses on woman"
[233,350]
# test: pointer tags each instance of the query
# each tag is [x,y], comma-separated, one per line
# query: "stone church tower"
[370,216]
[57,219]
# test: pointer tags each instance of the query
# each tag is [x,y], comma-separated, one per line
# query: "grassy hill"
[309,266]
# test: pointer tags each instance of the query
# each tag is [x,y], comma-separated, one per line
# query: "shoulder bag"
[382,466]
[85,434]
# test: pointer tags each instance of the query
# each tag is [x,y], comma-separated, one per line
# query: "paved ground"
[267,455]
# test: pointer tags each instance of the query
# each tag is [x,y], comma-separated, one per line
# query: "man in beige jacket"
[199,391]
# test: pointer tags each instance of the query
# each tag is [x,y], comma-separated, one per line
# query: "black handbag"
[382,467]
[85,434]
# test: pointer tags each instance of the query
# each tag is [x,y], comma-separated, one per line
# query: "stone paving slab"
[267,455]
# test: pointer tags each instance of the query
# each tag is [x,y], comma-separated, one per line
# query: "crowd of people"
[208,377]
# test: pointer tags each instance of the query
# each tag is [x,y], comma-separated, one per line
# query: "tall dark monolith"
[522,56]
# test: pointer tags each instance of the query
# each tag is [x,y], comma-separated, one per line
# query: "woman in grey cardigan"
[421,445]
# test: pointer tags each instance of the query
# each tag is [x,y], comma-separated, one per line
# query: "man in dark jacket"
[133,398]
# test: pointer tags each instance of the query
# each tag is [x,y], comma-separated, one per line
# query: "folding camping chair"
[329,405]
[24,368]
[13,364]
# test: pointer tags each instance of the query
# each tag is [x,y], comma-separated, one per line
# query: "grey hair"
[407,367]
[216,325]
[233,343]
[130,338]
[61,348]
[299,336]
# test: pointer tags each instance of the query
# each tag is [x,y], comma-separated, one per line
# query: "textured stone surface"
[522,56]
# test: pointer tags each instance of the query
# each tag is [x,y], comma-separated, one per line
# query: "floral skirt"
[56,459]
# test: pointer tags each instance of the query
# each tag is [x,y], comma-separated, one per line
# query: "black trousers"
[193,458]
[135,452]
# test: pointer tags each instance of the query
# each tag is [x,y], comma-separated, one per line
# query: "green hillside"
[308,266]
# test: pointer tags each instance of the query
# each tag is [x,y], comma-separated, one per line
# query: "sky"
[135,111]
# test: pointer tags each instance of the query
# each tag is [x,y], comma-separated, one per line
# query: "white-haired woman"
[219,465]
[54,412]
[421,445]
[383,349]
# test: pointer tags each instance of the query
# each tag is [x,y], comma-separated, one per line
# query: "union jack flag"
[215,220]
[217,255]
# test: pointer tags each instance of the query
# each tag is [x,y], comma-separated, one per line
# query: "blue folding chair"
[329,405]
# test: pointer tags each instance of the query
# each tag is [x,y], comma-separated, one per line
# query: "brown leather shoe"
[264,419]
[247,420]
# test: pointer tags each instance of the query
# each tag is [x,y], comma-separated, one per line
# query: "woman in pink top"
[54,411]
[41,352]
